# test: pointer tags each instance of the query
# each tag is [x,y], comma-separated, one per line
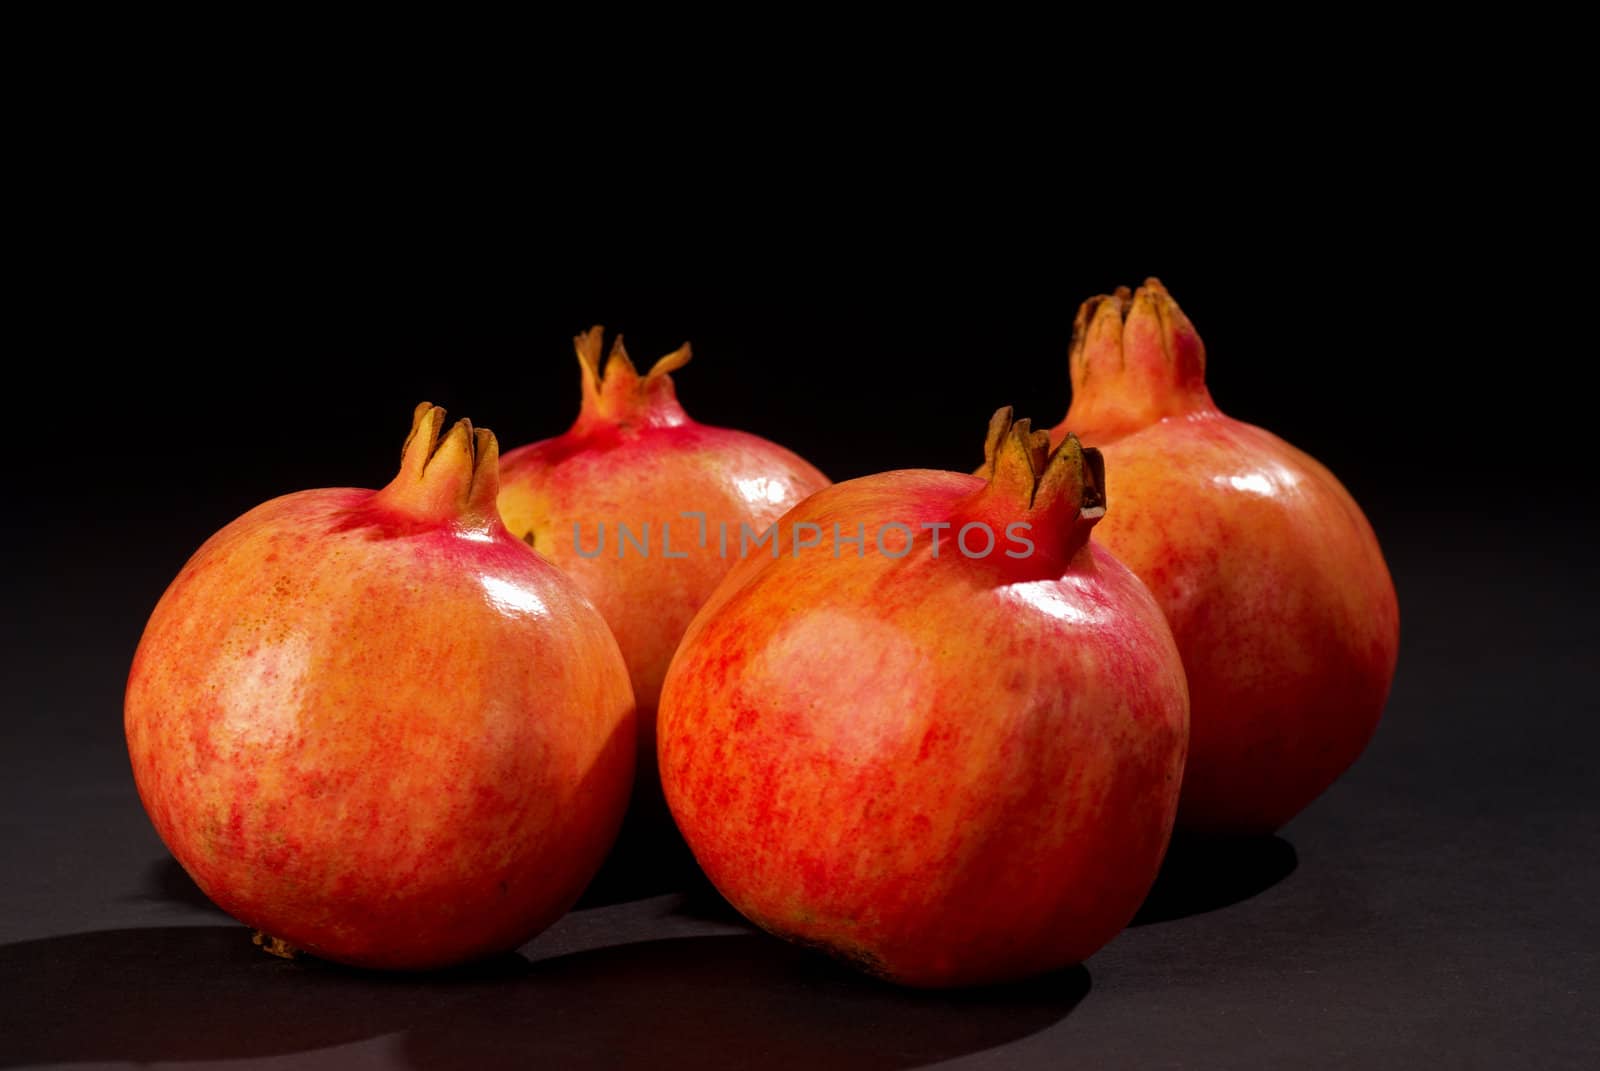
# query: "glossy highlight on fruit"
[377,727]
[635,459]
[945,769]
[1266,568]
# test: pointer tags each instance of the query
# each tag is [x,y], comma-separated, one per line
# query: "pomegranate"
[376,726]
[939,732]
[1266,568]
[638,503]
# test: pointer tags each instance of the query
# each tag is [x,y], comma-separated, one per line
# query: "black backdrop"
[204,337]
[238,352]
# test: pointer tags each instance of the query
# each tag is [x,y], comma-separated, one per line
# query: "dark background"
[226,305]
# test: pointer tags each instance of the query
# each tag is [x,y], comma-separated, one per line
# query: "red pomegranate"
[638,504]
[1266,568]
[376,726]
[948,750]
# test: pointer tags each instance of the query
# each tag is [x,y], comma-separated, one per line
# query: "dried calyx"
[1135,359]
[1019,464]
[454,475]
[1060,493]
[617,393]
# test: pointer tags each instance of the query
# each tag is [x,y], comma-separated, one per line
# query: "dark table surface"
[1436,908]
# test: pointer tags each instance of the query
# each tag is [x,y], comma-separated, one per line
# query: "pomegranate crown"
[1020,465]
[454,475]
[617,393]
[1143,325]
[1135,359]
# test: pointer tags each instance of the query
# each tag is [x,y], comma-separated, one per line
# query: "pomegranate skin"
[376,726]
[945,771]
[634,457]
[1268,572]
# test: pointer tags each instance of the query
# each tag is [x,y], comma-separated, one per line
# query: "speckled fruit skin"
[1267,570]
[635,457]
[944,771]
[376,726]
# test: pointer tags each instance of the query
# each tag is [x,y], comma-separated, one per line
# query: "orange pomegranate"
[638,503]
[376,726]
[948,750]
[1266,568]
